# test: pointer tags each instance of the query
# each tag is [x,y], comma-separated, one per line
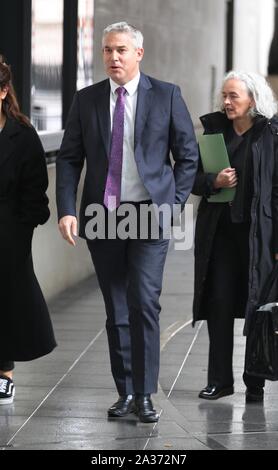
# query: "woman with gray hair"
[236,243]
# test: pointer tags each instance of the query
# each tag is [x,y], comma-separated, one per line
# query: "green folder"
[215,158]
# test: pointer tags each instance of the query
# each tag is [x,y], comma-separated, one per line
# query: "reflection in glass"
[218,417]
[46,71]
[85,43]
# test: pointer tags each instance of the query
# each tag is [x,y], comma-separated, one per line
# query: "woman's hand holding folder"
[226,178]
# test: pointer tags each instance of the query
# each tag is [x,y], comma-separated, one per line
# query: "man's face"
[121,59]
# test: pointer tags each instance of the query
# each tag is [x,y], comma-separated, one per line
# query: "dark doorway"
[229,34]
[273,53]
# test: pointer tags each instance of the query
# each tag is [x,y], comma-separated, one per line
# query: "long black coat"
[263,239]
[26,329]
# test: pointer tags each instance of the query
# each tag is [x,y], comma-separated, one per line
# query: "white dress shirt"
[132,188]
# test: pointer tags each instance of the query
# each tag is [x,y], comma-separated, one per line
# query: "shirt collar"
[131,87]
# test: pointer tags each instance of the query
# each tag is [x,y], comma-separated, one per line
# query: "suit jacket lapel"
[103,111]
[144,103]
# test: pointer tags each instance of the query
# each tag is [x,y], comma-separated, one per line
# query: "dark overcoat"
[26,329]
[263,237]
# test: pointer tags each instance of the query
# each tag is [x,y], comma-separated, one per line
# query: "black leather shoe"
[145,410]
[213,392]
[123,406]
[254,394]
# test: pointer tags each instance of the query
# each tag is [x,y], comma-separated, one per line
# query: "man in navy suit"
[129,270]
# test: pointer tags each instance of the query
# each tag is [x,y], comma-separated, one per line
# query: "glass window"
[46,70]
[85,43]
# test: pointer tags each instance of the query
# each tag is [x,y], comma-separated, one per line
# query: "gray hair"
[123,27]
[258,89]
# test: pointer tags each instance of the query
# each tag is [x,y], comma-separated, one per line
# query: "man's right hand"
[68,228]
[226,178]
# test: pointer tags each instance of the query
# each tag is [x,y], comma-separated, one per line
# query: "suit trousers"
[227,291]
[130,277]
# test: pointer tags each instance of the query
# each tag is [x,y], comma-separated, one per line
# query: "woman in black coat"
[26,329]
[236,243]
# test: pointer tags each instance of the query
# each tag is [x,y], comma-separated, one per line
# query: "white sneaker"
[7,390]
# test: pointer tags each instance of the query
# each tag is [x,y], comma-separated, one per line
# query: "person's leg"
[252,381]
[146,259]
[254,388]
[220,328]
[110,261]
[254,384]
[220,296]
[6,368]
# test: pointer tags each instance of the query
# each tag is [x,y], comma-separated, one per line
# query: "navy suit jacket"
[162,125]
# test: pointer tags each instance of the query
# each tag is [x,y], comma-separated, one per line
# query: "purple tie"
[113,182]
